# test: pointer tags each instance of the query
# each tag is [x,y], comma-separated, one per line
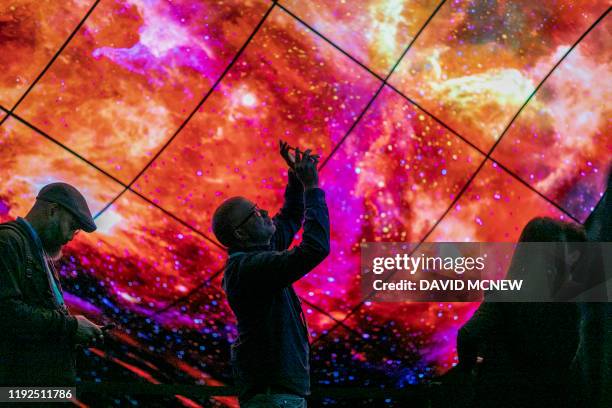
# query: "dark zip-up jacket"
[36,334]
[272,348]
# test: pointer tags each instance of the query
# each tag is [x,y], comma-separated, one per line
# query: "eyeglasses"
[253,210]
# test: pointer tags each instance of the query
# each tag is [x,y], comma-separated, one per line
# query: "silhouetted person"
[270,358]
[526,348]
[594,355]
[37,333]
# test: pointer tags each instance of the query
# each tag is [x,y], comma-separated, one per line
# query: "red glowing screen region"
[436,121]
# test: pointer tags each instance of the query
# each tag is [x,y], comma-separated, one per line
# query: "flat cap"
[72,200]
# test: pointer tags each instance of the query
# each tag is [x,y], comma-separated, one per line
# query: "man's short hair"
[221,222]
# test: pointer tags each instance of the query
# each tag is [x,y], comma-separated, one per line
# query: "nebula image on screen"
[435,121]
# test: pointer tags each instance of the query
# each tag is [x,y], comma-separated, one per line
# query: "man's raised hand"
[286,154]
[306,168]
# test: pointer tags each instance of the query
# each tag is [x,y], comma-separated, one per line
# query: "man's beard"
[54,254]
[53,248]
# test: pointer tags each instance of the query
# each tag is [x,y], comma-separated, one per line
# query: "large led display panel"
[30,161]
[375,33]
[478,61]
[297,88]
[561,141]
[134,71]
[159,110]
[31,33]
[393,176]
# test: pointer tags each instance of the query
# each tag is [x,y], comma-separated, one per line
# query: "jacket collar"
[255,248]
[31,232]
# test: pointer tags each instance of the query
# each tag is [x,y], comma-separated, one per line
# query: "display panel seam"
[193,291]
[501,165]
[52,60]
[93,165]
[487,158]
[193,112]
[410,100]
[550,72]
[363,112]
[384,82]
[330,42]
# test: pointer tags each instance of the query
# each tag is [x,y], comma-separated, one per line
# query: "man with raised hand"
[270,358]
[37,333]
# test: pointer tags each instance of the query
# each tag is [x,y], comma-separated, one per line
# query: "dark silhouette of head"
[544,229]
[240,223]
[59,213]
[546,266]
[599,223]
[54,225]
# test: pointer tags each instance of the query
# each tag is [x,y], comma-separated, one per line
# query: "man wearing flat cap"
[37,333]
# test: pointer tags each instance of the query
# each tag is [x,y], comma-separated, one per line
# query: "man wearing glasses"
[37,333]
[270,358]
